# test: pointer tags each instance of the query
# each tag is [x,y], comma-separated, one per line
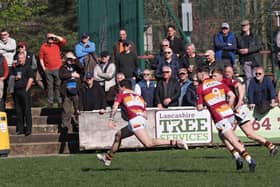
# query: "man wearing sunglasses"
[146,88]
[51,61]
[159,57]
[261,92]
[168,89]
[168,61]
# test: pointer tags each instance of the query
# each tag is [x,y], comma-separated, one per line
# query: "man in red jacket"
[50,61]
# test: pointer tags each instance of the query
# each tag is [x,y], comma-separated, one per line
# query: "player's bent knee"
[118,136]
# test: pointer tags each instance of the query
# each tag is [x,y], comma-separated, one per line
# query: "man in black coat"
[249,46]
[92,95]
[168,90]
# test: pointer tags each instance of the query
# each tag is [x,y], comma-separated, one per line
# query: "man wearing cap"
[104,72]
[249,46]
[92,95]
[84,48]
[70,73]
[51,61]
[184,83]
[225,45]
[118,46]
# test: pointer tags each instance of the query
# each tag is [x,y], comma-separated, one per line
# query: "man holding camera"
[50,61]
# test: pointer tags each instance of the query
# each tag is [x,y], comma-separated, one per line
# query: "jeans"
[249,72]
[53,83]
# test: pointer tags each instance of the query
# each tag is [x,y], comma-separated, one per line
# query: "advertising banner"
[186,124]
[267,125]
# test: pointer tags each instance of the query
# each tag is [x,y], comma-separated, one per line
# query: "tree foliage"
[31,20]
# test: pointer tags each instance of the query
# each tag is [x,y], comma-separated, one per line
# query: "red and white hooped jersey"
[213,94]
[133,103]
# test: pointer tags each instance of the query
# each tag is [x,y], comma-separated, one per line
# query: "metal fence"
[207,18]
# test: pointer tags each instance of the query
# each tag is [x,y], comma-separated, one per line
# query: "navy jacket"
[260,91]
[230,46]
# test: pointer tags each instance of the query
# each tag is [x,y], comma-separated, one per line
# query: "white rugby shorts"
[136,123]
[242,114]
[225,124]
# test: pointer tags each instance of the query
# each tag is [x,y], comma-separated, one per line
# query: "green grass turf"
[195,167]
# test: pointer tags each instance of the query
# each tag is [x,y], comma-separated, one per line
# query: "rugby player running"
[213,94]
[135,108]
[242,115]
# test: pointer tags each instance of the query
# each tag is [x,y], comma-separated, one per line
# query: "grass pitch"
[195,167]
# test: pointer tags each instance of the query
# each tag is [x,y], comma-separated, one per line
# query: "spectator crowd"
[80,80]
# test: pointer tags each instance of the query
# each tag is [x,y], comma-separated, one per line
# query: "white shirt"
[8,50]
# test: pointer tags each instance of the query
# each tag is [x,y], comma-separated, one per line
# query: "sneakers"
[239,164]
[273,151]
[182,144]
[252,166]
[102,158]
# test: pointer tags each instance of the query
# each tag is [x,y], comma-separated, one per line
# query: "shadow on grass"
[100,169]
[210,157]
[183,170]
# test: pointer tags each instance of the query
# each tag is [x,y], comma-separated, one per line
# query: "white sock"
[236,155]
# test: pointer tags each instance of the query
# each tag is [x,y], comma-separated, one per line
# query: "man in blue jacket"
[225,45]
[84,47]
